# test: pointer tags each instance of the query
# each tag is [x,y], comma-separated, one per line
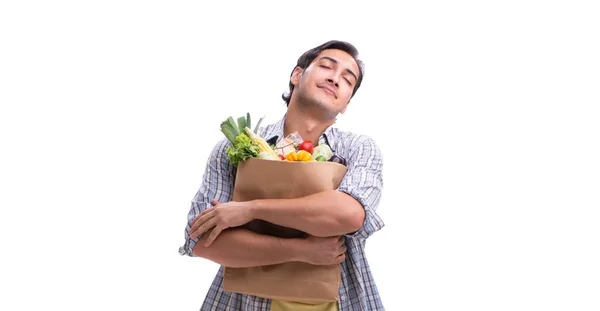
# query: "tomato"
[306,146]
[281,157]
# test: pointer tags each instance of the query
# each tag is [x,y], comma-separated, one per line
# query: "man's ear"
[296,75]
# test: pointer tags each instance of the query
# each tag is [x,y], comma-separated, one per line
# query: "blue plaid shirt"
[363,181]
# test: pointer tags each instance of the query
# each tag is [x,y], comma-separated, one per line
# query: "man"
[338,222]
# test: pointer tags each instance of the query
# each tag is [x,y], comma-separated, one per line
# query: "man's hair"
[307,58]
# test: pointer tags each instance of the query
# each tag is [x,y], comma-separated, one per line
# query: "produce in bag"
[245,144]
[294,148]
[299,156]
[322,152]
[288,144]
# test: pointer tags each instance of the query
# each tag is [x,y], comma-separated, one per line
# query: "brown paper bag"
[291,281]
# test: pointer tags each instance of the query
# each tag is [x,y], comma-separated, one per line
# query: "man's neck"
[307,126]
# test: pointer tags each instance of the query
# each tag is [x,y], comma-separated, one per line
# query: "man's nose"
[333,81]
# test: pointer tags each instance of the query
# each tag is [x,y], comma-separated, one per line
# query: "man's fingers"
[203,226]
[213,235]
[199,220]
[208,210]
[342,255]
[207,225]
[204,216]
[215,202]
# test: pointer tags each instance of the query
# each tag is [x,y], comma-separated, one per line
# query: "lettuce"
[241,150]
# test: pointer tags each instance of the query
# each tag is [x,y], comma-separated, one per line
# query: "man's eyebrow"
[335,61]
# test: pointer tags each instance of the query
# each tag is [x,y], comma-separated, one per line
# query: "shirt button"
[343,298]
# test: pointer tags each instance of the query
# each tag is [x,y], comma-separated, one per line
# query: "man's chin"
[324,103]
[325,110]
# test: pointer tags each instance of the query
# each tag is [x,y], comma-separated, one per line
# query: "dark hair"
[308,56]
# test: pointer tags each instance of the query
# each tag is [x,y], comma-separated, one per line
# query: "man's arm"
[322,214]
[238,248]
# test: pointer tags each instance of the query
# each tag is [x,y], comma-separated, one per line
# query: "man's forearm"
[239,248]
[322,214]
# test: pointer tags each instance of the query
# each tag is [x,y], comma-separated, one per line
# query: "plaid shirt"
[363,181]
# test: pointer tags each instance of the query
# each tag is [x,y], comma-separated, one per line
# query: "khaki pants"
[277,305]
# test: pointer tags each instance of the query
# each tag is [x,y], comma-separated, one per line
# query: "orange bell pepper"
[299,156]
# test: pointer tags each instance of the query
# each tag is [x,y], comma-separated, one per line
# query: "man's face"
[327,82]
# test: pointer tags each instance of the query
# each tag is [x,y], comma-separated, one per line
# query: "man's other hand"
[323,251]
[220,217]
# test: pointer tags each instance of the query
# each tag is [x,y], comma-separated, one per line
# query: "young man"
[338,222]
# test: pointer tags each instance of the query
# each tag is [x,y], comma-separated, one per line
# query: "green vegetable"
[322,150]
[242,146]
[265,155]
[241,123]
[230,129]
[242,149]
[321,159]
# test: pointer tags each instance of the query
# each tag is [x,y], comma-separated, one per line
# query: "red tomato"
[281,157]
[307,146]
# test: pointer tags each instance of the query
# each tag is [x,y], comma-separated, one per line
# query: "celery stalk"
[241,123]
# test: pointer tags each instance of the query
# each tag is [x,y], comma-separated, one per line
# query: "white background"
[487,115]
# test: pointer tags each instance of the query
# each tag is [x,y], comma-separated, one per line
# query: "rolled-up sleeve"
[217,184]
[364,182]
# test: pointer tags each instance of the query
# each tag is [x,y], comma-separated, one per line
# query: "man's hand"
[323,251]
[220,217]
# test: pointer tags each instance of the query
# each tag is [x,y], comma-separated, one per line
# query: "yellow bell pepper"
[299,156]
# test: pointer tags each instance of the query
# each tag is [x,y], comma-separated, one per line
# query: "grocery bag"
[292,281]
